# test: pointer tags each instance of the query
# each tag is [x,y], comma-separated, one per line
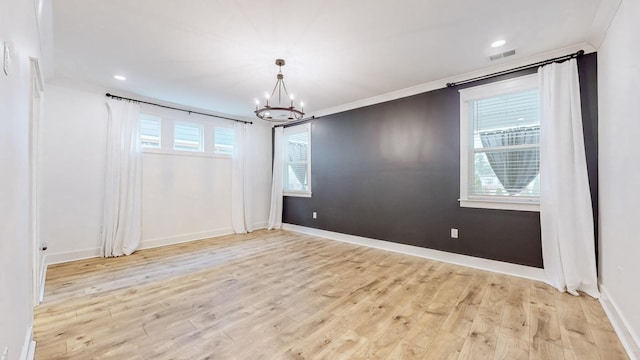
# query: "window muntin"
[297,167]
[188,136]
[500,145]
[150,131]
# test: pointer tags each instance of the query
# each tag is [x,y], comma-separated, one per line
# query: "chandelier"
[279,112]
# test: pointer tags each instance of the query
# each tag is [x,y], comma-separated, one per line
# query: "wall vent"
[502,55]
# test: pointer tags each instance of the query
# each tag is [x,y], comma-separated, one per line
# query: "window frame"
[498,88]
[198,125]
[168,118]
[291,130]
[215,140]
[154,118]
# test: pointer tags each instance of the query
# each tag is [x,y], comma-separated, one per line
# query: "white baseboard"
[29,347]
[260,225]
[178,239]
[457,259]
[628,338]
[51,259]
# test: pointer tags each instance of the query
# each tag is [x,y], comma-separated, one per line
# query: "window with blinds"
[187,137]
[297,177]
[150,127]
[500,141]
[223,139]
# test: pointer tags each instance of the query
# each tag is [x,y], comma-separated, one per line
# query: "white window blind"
[223,140]
[297,159]
[150,131]
[187,137]
[506,145]
[500,145]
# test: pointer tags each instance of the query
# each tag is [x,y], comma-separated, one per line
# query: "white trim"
[29,347]
[522,271]
[51,259]
[35,120]
[605,14]
[178,239]
[43,279]
[467,151]
[292,130]
[297,193]
[158,151]
[521,83]
[499,205]
[185,123]
[260,225]
[439,84]
[629,339]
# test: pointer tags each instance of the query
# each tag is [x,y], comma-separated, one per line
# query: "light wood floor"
[281,295]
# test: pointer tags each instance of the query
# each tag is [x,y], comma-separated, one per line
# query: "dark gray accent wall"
[391,171]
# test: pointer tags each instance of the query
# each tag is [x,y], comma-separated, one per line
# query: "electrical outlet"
[454,233]
[315,215]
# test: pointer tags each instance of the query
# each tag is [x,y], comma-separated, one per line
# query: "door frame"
[35,118]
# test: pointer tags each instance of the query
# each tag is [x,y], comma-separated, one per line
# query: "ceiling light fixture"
[279,112]
[498,43]
[119,77]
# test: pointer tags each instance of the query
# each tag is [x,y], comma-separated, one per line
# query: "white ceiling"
[219,55]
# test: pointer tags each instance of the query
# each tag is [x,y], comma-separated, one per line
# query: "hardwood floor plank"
[511,349]
[282,295]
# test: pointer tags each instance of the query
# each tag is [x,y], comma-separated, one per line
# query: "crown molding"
[605,14]
[439,84]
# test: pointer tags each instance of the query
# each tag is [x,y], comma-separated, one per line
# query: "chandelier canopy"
[280,111]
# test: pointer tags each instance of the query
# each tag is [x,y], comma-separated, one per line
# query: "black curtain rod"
[297,122]
[174,108]
[524,67]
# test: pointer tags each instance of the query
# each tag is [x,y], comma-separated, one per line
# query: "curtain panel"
[566,219]
[275,210]
[241,195]
[122,208]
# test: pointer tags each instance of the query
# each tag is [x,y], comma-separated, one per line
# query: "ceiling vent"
[502,55]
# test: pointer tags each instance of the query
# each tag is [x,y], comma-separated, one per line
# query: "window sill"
[297,194]
[500,205]
[184,153]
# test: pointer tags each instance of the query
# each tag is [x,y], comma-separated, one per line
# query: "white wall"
[184,197]
[19,28]
[619,179]
[73,156]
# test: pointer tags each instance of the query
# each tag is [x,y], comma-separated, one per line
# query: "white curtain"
[121,225]
[275,212]
[566,218]
[241,199]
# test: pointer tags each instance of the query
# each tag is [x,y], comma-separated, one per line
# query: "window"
[187,137]
[500,145]
[150,131]
[223,140]
[297,176]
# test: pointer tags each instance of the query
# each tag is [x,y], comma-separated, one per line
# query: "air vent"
[502,55]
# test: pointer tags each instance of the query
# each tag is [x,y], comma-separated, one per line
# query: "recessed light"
[119,77]
[498,43]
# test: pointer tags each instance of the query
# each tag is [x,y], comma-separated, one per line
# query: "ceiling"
[219,55]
